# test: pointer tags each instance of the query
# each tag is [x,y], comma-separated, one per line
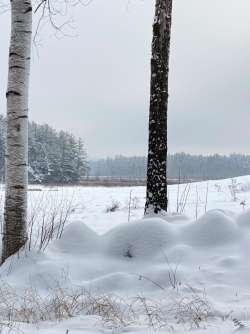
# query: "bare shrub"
[193,309]
[129,205]
[174,281]
[243,204]
[150,313]
[9,328]
[135,202]
[243,187]
[114,206]
[173,277]
[182,199]
[114,311]
[233,189]
[238,324]
[61,303]
[218,187]
[48,215]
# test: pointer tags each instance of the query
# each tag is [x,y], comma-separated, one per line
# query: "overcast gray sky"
[96,85]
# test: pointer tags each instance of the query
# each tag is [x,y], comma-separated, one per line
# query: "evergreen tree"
[82,167]
[53,157]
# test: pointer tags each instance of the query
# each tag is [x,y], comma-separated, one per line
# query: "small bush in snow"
[48,215]
[114,206]
[193,309]
[233,189]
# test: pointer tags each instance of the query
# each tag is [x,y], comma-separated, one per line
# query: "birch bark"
[156,197]
[16,158]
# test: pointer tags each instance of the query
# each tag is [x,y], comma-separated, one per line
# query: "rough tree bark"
[156,198]
[16,160]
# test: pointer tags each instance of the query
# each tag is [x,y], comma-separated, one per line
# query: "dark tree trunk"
[156,199]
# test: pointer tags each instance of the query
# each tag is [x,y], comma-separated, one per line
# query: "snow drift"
[158,258]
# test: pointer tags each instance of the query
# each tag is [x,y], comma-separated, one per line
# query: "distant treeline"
[54,157]
[60,157]
[186,165]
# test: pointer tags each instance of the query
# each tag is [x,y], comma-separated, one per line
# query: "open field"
[107,181]
[93,266]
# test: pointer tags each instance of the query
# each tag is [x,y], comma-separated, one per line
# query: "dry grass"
[193,309]
[60,303]
[114,311]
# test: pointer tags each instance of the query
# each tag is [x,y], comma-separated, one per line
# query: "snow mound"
[169,217]
[179,252]
[215,228]
[77,238]
[143,239]
[243,220]
[114,281]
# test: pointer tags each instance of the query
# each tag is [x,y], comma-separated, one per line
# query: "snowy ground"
[188,271]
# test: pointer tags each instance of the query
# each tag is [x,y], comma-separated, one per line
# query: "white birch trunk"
[16,160]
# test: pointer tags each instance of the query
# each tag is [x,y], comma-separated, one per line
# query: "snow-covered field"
[112,272]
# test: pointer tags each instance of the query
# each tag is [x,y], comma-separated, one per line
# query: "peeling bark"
[156,198]
[16,158]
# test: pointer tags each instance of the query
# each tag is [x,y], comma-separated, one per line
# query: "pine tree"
[81,160]
[53,157]
[72,158]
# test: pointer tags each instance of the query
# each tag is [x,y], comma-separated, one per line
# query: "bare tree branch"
[57,13]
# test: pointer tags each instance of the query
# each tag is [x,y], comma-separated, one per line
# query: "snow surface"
[202,249]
